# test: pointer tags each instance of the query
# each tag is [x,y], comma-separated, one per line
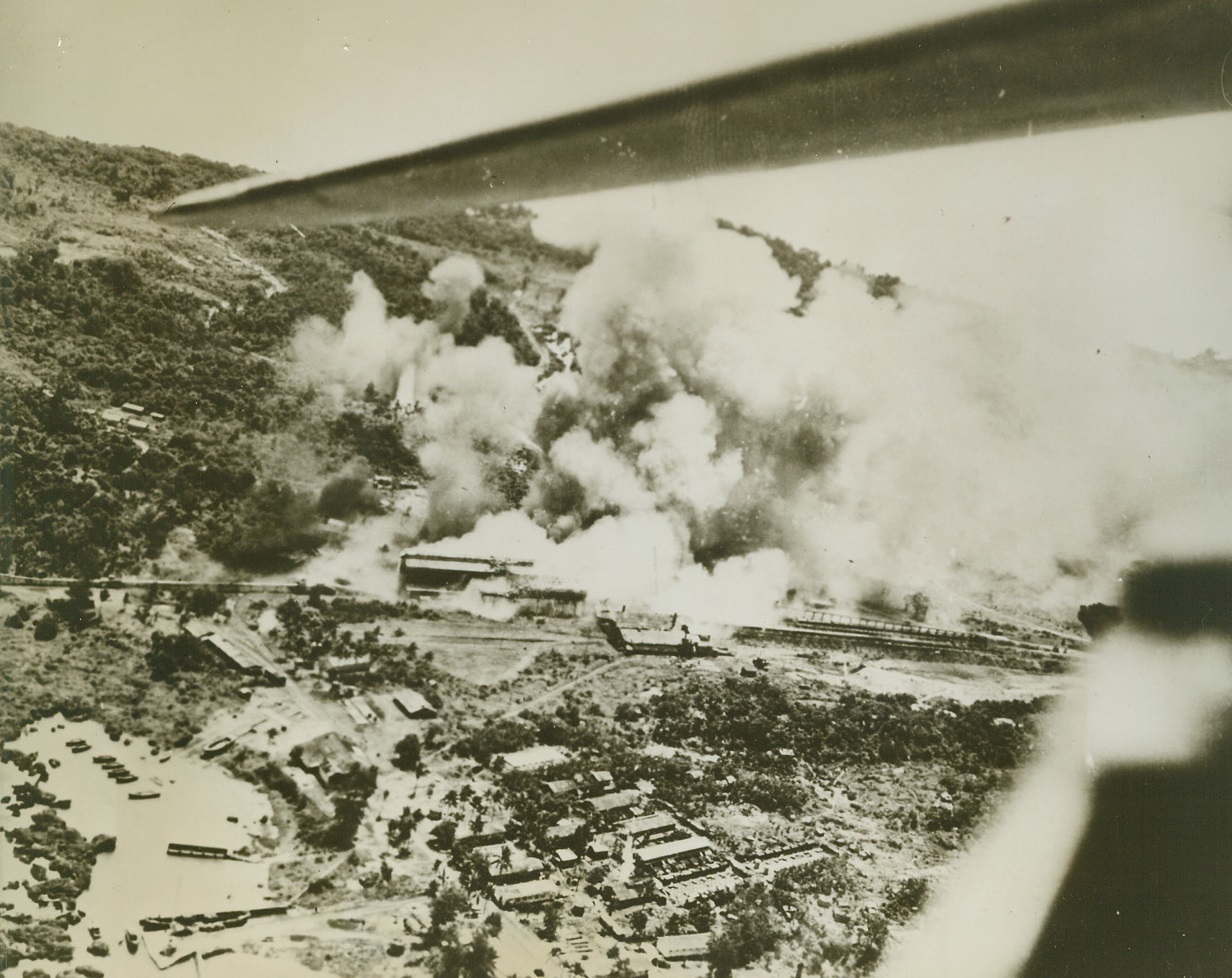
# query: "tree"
[551,921]
[45,629]
[621,968]
[449,959]
[448,902]
[444,834]
[480,957]
[170,654]
[749,931]
[408,753]
[455,960]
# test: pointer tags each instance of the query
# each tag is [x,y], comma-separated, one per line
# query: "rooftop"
[668,850]
[615,800]
[540,755]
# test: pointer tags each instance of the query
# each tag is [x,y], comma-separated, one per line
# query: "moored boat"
[103,759]
[216,747]
[117,772]
[130,941]
[142,795]
[155,923]
[79,748]
[126,778]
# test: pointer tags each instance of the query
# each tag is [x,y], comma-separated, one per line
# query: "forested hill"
[103,307]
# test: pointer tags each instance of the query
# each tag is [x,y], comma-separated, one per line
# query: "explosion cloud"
[715,449]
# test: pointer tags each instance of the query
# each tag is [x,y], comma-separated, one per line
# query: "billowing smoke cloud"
[349,493]
[473,405]
[370,348]
[479,405]
[450,286]
[716,450]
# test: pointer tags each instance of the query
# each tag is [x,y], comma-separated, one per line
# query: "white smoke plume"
[716,450]
[369,348]
[450,286]
[473,405]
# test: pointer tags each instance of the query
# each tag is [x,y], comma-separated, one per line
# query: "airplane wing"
[1010,71]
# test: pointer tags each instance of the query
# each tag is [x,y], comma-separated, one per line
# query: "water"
[139,879]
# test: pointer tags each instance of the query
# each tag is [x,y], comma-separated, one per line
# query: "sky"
[1122,232]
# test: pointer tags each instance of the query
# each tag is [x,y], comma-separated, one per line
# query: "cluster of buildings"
[624,848]
[651,854]
[653,635]
[505,586]
[130,417]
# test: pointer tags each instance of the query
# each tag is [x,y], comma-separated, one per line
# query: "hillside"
[103,307]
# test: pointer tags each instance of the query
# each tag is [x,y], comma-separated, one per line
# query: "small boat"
[211,927]
[103,759]
[155,923]
[142,795]
[214,952]
[216,747]
[112,765]
[180,930]
[130,941]
[76,742]
[126,779]
[79,748]
[52,762]
[169,950]
[117,772]
[238,921]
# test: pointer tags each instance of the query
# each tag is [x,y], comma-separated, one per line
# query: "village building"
[231,652]
[414,706]
[541,599]
[525,896]
[622,896]
[601,847]
[645,828]
[328,758]
[344,669]
[566,828]
[542,755]
[602,780]
[662,855]
[683,947]
[491,833]
[614,804]
[653,635]
[509,864]
[443,572]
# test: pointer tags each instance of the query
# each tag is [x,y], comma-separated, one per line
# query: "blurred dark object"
[1183,600]
[1017,70]
[1099,618]
[1149,893]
